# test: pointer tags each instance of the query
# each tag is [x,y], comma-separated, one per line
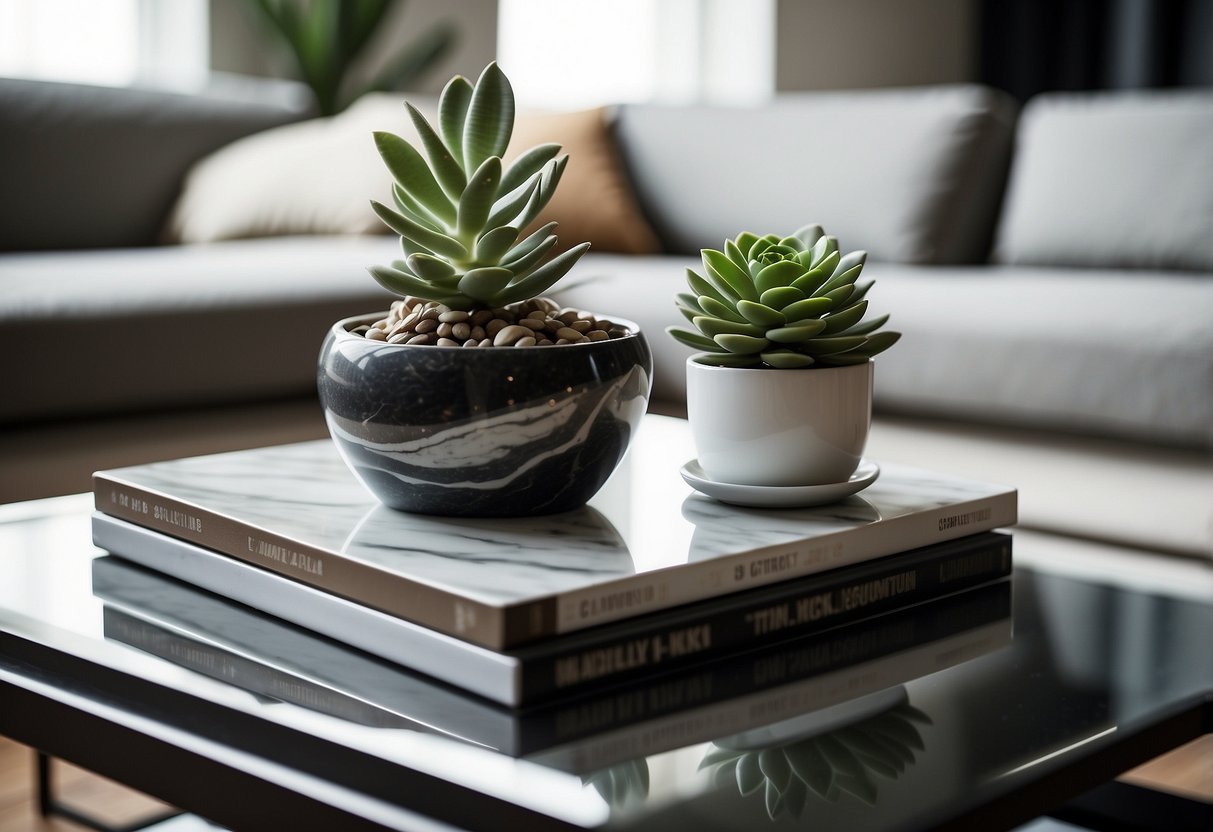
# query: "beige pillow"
[318,177]
[594,201]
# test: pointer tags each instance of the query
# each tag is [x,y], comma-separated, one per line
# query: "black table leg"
[48,805]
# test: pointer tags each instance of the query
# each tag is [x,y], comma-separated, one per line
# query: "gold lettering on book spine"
[286,557]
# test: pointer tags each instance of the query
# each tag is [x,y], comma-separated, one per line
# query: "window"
[581,53]
[113,42]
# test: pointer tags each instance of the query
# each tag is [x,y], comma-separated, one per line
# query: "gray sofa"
[1052,271]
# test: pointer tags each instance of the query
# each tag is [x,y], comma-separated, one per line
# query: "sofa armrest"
[99,167]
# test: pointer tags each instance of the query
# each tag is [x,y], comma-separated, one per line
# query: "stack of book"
[530,612]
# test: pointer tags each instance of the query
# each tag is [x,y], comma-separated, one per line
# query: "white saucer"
[780,496]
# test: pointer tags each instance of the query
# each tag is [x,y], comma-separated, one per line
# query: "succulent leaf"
[808,310]
[781,297]
[435,241]
[412,209]
[692,339]
[495,243]
[446,167]
[745,241]
[718,264]
[834,344]
[508,207]
[798,334]
[540,280]
[413,174]
[735,254]
[867,327]
[841,295]
[523,265]
[761,314]
[403,283]
[716,309]
[477,200]
[527,165]
[726,359]
[787,359]
[741,344]
[490,118]
[836,322]
[485,283]
[428,267]
[452,113]
[839,279]
[712,327]
[808,235]
[811,281]
[703,287]
[881,341]
[781,273]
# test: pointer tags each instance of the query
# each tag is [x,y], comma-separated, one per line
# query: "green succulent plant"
[461,213]
[781,302]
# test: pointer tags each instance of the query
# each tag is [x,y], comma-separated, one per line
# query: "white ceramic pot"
[779,427]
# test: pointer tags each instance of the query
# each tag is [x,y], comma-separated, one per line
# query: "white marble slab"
[644,519]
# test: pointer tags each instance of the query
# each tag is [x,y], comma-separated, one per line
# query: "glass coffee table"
[983,710]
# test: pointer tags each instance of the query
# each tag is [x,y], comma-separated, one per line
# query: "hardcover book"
[646,542]
[568,664]
[239,646]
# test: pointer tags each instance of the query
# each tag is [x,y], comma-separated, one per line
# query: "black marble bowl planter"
[482,432]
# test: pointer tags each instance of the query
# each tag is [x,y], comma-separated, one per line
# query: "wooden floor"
[1187,771]
[103,799]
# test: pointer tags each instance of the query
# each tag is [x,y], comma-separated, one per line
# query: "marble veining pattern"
[306,493]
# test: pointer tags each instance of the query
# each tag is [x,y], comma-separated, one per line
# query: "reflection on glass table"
[1096,679]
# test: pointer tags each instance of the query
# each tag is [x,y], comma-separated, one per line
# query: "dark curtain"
[1031,46]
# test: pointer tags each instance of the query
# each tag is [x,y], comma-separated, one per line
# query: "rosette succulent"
[781,302]
[460,212]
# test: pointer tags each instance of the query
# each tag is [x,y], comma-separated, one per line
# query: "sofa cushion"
[134,329]
[89,167]
[318,177]
[1120,354]
[1119,180]
[912,176]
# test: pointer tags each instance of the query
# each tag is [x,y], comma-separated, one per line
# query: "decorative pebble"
[537,322]
[510,334]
